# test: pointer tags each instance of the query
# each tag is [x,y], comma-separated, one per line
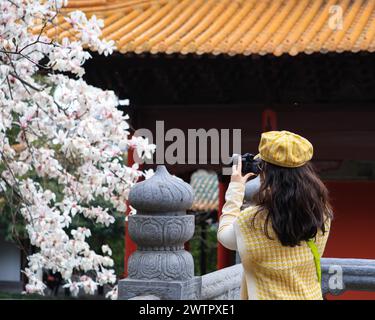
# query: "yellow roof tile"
[206,191]
[228,26]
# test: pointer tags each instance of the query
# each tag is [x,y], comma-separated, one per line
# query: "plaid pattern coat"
[271,270]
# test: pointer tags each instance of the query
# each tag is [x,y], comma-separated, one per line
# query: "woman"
[280,239]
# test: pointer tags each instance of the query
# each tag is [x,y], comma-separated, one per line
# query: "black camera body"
[249,164]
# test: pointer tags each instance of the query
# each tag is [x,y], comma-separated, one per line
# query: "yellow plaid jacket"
[271,270]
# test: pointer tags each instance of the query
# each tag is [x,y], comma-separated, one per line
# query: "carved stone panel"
[161,231]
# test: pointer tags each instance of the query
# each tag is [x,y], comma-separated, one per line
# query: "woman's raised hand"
[237,174]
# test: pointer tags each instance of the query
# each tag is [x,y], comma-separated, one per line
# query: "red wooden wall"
[353,229]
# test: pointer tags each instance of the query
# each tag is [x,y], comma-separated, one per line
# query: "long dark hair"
[295,201]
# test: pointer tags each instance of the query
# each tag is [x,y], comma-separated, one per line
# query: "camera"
[249,164]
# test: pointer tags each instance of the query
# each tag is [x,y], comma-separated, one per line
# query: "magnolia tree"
[65,131]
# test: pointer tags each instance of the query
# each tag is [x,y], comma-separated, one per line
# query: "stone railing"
[356,275]
[223,284]
[162,269]
[338,276]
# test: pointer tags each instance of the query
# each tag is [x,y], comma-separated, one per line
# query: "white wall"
[10,262]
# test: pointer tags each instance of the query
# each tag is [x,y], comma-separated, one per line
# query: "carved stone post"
[160,266]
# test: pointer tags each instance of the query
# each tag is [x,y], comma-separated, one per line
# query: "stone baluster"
[161,266]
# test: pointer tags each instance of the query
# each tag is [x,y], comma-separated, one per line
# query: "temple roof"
[206,191]
[231,27]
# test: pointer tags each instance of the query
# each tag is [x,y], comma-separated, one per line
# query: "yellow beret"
[285,149]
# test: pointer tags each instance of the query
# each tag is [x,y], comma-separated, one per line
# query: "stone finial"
[161,266]
[162,194]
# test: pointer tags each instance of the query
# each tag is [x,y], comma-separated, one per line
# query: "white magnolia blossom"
[113,294]
[68,132]
[106,249]
[148,173]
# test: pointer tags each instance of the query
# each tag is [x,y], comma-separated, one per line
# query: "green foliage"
[210,244]
[12,227]
[13,132]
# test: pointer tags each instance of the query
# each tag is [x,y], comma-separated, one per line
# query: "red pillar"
[130,246]
[269,120]
[224,256]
